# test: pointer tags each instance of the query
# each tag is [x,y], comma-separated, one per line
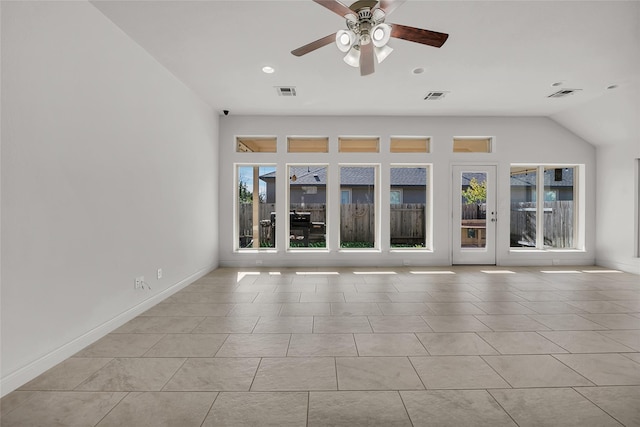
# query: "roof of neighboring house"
[354,176]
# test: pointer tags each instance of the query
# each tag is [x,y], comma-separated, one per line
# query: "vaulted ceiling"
[502,58]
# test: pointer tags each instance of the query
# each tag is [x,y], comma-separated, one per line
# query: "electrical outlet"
[159,273]
[138,282]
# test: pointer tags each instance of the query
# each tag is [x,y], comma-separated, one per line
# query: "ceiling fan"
[365,39]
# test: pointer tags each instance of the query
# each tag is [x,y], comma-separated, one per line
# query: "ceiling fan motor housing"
[366,20]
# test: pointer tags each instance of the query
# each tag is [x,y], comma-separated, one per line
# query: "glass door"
[474,214]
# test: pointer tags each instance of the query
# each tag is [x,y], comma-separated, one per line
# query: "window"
[551,223]
[472,145]
[358,217]
[252,144]
[308,145]
[345,196]
[358,144]
[307,206]
[407,144]
[395,197]
[256,204]
[408,206]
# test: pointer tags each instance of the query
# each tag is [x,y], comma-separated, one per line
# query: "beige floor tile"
[226,325]
[456,372]
[498,296]
[629,338]
[67,375]
[187,345]
[357,408]
[443,308]
[255,345]
[322,297]
[133,374]
[585,342]
[410,297]
[599,307]
[366,297]
[120,345]
[284,325]
[389,345]
[455,323]
[520,343]
[156,409]
[13,400]
[296,287]
[540,296]
[622,403]
[455,344]
[539,370]
[633,356]
[454,408]
[614,321]
[511,322]
[314,345]
[603,369]
[355,309]
[275,409]
[211,298]
[503,307]
[552,307]
[566,322]
[340,324]
[214,374]
[62,409]
[255,309]
[175,309]
[296,374]
[385,324]
[280,297]
[306,309]
[404,309]
[377,373]
[551,407]
[160,325]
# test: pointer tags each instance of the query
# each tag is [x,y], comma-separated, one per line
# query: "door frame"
[479,256]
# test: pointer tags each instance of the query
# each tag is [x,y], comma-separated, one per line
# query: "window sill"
[411,250]
[256,251]
[307,250]
[533,250]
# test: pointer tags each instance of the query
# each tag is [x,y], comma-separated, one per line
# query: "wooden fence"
[357,222]
[558,224]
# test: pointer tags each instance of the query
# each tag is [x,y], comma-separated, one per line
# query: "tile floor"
[474,347]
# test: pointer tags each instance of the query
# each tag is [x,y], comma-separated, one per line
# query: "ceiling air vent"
[434,96]
[564,92]
[286,91]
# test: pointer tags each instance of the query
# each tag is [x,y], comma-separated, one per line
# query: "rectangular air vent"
[286,91]
[434,96]
[563,92]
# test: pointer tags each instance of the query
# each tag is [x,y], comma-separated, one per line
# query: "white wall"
[108,173]
[611,124]
[617,192]
[517,140]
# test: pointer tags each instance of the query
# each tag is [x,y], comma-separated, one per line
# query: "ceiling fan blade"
[418,35]
[314,45]
[366,59]
[335,6]
[389,6]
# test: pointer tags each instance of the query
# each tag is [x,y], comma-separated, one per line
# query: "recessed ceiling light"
[268,70]
[612,86]
[418,70]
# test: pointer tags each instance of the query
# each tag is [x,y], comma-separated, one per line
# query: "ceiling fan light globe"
[353,57]
[344,40]
[381,34]
[382,53]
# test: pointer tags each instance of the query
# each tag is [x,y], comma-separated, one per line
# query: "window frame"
[377,193]
[428,211]
[539,198]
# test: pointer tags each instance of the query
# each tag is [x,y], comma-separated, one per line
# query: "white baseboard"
[48,361]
